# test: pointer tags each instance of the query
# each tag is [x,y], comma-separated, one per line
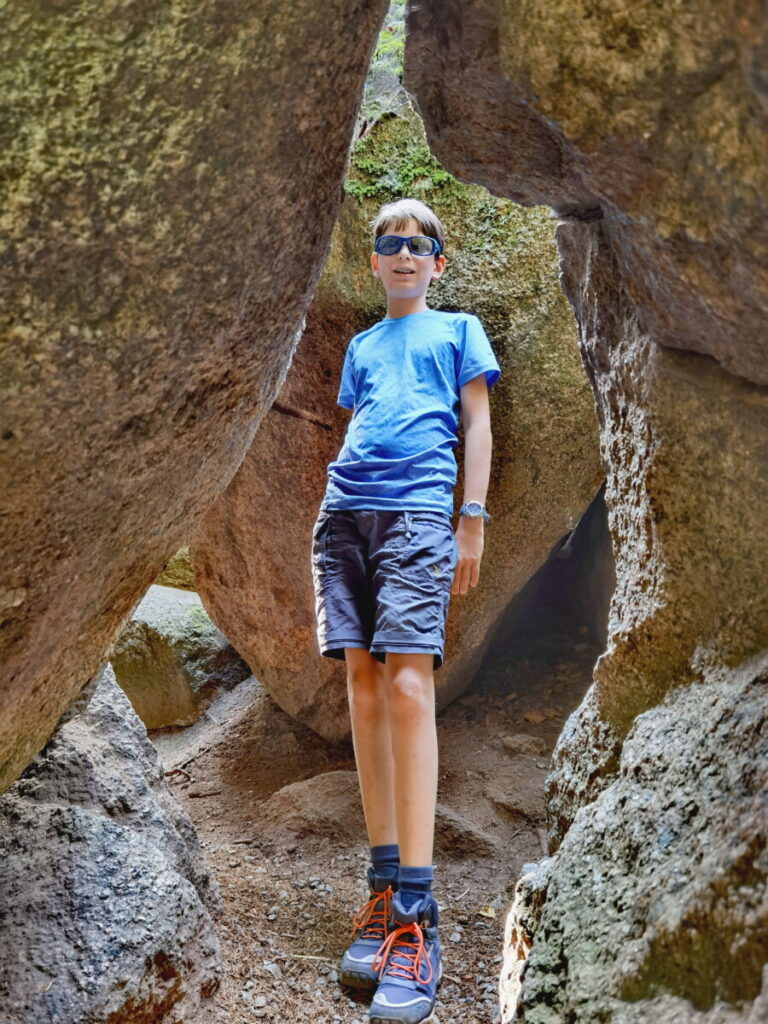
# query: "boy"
[385,561]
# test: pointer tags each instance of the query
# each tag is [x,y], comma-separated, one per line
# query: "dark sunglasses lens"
[421,245]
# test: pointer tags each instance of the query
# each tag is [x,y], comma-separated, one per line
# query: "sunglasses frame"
[435,251]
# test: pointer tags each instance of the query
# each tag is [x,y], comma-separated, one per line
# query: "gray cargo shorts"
[382,581]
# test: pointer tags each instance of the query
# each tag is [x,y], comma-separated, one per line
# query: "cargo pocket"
[426,570]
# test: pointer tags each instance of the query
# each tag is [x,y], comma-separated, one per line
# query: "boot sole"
[401,1020]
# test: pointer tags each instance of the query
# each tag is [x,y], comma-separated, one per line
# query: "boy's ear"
[438,268]
[375,263]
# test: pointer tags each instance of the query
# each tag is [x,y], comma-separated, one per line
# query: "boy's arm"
[476,418]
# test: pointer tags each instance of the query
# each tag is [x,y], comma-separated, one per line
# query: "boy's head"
[407,267]
[393,217]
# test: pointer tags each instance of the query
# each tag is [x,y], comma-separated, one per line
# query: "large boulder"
[651,118]
[170,178]
[251,553]
[170,659]
[105,898]
[639,126]
[668,868]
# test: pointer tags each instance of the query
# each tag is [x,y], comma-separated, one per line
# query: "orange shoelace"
[372,919]
[410,955]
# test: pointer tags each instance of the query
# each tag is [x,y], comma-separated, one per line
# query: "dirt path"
[291,861]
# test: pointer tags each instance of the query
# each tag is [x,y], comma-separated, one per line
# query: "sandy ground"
[278,812]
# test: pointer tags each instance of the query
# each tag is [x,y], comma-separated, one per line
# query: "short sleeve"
[475,355]
[347,388]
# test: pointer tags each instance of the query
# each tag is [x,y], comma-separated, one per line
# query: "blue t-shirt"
[402,377]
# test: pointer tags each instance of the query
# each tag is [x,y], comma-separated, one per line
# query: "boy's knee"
[409,692]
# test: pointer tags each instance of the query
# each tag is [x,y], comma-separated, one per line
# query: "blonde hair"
[394,216]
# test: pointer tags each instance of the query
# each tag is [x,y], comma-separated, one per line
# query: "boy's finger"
[459,587]
[465,570]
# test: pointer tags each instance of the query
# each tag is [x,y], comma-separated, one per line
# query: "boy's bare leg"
[411,695]
[366,689]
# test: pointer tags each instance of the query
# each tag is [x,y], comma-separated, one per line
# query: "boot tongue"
[378,883]
[410,916]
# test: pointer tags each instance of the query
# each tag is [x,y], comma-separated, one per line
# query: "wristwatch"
[473,510]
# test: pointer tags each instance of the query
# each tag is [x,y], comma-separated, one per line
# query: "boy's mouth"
[404,271]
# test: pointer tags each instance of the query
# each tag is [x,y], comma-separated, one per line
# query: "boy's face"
[405,276]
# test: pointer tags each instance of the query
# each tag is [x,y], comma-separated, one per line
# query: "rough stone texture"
[686,446]
[640,126]
[660,889]
[103,887]
[584,761]
[158,164]
[252,551]
[654,115]
[519,929]
[169,658]
[178,571]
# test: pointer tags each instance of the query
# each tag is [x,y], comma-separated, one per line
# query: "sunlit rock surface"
[170,178]
[105,898]
[178,571]
[169,658]
[252,551]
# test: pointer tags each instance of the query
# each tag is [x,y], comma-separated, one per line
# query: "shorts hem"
[334,647]
[383,646]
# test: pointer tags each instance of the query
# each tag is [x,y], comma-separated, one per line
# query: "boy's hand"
[469,541]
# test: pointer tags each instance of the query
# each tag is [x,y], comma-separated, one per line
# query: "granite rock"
[105,898]
[170,659]
[170,178]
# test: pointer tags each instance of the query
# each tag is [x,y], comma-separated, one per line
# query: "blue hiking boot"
[408,965]
[370,928]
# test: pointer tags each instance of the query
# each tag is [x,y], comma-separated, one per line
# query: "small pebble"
[455,937]
[260,1001]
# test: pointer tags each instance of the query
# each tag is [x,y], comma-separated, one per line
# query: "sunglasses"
[418,245]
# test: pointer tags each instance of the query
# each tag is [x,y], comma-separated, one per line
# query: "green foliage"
[402,165]
[383,93]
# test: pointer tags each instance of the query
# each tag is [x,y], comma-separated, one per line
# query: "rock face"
[169,657]
[178,571]
[652,118]
[162,167]
[521,925]
[639,127]
[670,866]
[104,893]
[251,552]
